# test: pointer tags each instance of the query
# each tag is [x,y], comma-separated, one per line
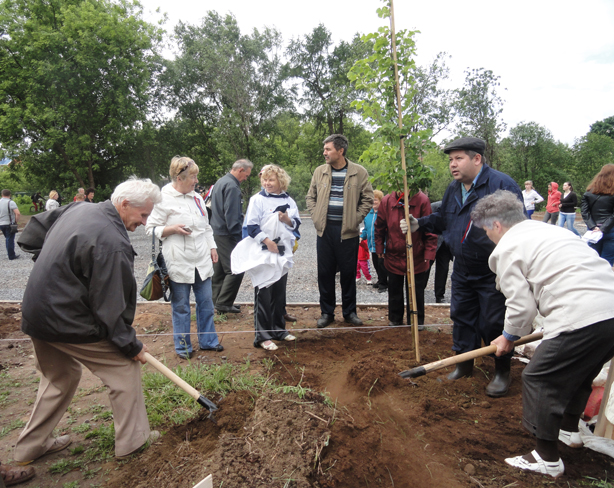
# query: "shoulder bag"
[12,225]
[157,282]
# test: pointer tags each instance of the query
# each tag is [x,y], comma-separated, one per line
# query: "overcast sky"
[555,57]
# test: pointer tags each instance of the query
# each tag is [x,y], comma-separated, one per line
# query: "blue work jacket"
[469,244]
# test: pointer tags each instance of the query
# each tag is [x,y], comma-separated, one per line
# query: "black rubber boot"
[500,384]
[463,369]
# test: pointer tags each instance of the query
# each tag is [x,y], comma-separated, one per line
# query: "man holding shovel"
[477,308]
[78,309]
[575,297]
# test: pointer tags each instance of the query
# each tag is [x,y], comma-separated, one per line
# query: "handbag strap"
[153,244]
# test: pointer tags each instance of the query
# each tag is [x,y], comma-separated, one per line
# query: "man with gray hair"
[339,198]
[226,222]
[547,269]
[78,309]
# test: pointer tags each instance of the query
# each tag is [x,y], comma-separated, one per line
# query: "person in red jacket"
[552,207]
[390,243]
[363,261]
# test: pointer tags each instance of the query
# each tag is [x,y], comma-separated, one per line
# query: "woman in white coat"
[180,221]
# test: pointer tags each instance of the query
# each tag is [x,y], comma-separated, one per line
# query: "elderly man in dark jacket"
[477,308]
[78,309]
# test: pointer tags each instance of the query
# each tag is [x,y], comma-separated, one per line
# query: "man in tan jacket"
[339,198]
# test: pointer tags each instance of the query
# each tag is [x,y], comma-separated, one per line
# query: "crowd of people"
[506,268]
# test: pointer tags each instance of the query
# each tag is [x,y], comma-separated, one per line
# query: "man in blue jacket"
[477,308]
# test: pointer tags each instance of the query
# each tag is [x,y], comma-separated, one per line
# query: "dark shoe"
[218,348]
[392,323]
[16,257]
[59,444]
[383,289]
[225,309]
[290,318]
[440,300]
[154,435]
[325,320]
[500,384]
[353,319]
[463,369]
[185,355]
[14,476]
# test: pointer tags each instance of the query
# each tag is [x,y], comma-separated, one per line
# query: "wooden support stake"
[604,427]
[410,255]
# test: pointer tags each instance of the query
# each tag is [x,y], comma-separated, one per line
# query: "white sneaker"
[289,338]
[369,282]
[554,469]
[572,439]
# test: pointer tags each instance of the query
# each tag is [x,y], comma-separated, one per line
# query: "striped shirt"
[335,202]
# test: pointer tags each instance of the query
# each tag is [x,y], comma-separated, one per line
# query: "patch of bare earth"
[377,430]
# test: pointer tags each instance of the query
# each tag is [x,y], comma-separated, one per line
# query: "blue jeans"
[180,304]
[605,247]
[570,218]
[10,240]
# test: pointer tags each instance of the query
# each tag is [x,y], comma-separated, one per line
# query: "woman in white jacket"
[530,197]
[180,221]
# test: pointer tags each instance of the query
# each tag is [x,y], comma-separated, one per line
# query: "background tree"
[374,76]
[604,127]
[228,87]
[531,153]
[430,100]
[326,94]
[75,85]
[478,108]
[591,152]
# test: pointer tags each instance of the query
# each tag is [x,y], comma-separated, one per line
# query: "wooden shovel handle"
[190,390]
[466,356]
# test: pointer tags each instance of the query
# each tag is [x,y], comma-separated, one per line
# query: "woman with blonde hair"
[52,203]
[180,221]
[598,211]
[530,197]
[269,299]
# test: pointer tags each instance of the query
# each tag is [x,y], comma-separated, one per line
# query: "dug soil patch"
[371,428]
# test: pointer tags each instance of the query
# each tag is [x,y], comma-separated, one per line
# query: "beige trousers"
[60,368]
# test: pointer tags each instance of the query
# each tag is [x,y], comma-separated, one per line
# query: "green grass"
[15,424]
[64,466]
[82,429]
[594,482]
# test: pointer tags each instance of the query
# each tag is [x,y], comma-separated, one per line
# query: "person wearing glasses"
[180,221]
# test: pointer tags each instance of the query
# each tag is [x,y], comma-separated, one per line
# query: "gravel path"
[302,279]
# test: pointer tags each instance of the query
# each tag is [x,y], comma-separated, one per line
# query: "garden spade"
[193,392]
[466,356]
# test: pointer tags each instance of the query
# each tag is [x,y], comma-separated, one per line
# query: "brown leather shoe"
[290,318]
[14,476]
